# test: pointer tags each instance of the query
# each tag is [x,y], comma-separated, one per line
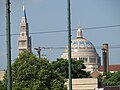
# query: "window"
[74,59]
[83,59]
[23,28]
[22,43]
[22,34]
[92,60]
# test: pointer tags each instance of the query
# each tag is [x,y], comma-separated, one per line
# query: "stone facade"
[24,40]
[83,84]
[2,72]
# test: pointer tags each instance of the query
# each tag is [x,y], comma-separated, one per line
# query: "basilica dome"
[83,49]
[81,45]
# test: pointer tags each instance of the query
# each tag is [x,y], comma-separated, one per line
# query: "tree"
[31,73]
[1,86]
[111,79]
[61,67]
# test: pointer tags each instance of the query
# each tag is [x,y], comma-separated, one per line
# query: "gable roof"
[111,68]
[95,74]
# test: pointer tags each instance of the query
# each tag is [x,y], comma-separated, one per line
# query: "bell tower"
[24,40]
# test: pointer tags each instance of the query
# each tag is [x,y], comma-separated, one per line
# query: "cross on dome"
[79,32]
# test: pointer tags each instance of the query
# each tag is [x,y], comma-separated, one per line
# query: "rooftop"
[115,67]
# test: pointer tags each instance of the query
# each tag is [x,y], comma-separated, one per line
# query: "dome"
[83,49]
[81,45]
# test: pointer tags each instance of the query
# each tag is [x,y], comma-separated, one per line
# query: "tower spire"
[24,40]
[23,8]
[79,32]
[24,12]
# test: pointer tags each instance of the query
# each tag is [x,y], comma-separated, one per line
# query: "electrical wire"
[96,47]
[55,47]
[101,27]
[59,31]
[62,48]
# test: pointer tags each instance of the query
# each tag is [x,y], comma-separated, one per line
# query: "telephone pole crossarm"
[38,51]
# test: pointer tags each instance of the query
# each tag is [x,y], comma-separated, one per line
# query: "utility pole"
[8,41]
[38,51]
[69,47]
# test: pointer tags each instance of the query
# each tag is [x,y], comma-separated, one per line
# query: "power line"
[62,48]
[101,27]
[96,47]
[59,31]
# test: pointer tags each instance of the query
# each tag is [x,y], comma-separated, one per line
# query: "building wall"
[2,72]
[83,84]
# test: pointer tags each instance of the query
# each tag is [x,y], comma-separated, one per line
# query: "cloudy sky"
[51,15]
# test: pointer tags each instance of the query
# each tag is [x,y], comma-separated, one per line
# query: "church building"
[83,49]
[24,40]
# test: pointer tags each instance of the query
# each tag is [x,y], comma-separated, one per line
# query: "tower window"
[22,43]
[23,28]
[23,34]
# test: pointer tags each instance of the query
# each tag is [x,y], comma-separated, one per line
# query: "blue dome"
[81,45]
[83,49]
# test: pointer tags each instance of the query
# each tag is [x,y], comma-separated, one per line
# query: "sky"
[51,15]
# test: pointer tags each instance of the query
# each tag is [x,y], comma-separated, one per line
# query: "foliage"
[111,79]
[61,67]
[1,85]
[31,73]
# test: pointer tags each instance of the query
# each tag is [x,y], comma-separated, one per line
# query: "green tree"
[31,73]
[61,67]
[111,79]
[1,86]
